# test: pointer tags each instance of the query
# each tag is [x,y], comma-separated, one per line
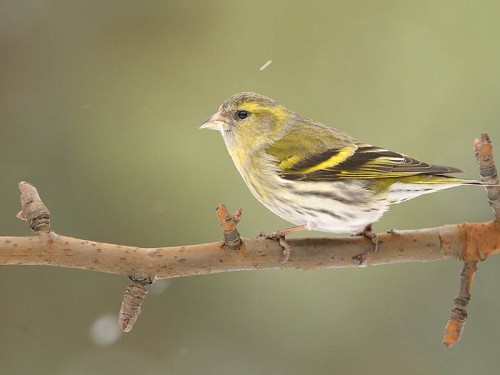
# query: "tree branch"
[483,151]
[469,242]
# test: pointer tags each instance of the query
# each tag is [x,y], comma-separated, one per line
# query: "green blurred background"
[100,104]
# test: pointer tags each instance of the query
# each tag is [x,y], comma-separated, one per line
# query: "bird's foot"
[280,236]
[368,233]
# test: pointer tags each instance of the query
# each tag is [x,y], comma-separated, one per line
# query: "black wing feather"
[367,162]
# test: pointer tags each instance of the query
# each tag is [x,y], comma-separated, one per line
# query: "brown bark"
[469,241]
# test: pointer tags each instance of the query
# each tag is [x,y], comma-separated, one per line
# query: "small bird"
[315,176]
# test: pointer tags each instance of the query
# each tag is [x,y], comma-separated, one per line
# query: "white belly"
[337,208]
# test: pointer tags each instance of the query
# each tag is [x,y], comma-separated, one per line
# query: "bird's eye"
[241,115]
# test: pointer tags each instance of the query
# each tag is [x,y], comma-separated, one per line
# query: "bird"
[315,176]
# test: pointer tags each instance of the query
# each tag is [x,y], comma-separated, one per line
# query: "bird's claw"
[267,236]
[286,248]
[281,240]
[368,233]
[280,236]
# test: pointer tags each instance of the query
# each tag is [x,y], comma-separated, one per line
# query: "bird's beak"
[218,121]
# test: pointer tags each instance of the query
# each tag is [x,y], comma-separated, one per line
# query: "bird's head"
[248,120]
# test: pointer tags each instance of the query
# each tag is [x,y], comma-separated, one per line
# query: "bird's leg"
[280,236]
[370,234]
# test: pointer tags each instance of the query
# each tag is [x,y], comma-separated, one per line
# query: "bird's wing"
[360,161]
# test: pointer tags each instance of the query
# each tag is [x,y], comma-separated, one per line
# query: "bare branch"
[132,302]
[458,315]
[483,151]
[33,210]
[232,239]
[472,241]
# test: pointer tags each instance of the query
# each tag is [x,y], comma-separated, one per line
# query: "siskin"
[315,176]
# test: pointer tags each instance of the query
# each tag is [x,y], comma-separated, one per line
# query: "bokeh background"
[100,104]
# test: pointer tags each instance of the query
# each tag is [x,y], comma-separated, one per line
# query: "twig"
[483,150]
[33,210]
[474,245]
[132,302]
[458,316]
[232,239]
